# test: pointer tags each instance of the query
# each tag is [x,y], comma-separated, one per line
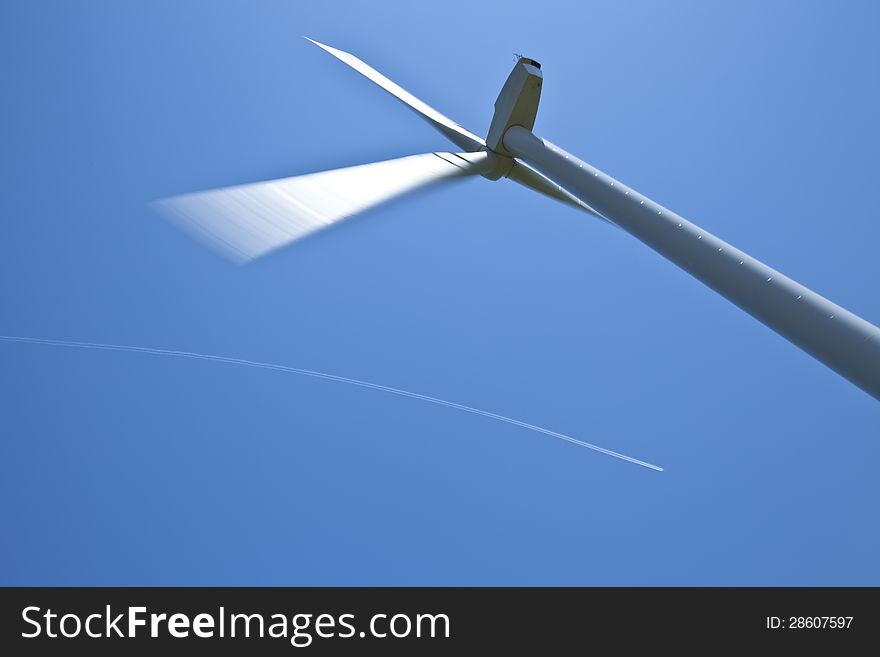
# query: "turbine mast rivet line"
[845,342]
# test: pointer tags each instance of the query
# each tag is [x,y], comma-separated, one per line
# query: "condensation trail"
[328,377]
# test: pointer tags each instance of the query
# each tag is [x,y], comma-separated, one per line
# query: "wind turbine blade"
[458,135]
[247,221]
[526,176]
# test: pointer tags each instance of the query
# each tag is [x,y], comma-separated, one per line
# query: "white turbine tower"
[247,221]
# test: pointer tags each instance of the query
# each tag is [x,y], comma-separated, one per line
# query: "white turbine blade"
[247,221]
[458,135]
[526,176]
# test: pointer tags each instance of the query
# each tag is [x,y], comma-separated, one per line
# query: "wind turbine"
[248,221]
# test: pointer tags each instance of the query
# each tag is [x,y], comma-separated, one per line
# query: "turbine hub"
[496,165]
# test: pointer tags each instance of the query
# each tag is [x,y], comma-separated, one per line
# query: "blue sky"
[757,121]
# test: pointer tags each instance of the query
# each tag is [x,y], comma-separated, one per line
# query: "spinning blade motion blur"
[247,221]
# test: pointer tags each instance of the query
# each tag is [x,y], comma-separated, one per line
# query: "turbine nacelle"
[517,104]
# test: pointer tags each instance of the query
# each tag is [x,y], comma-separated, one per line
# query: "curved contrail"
[329,377]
